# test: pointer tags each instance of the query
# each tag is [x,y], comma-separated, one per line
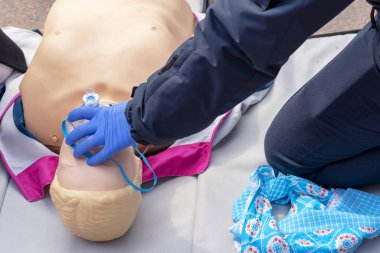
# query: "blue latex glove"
[107,127]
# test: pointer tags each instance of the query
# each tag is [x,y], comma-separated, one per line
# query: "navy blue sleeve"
[239,47]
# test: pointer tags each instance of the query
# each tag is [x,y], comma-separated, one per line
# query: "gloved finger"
[80,132]
[99,157]
[83,112]
[87,145]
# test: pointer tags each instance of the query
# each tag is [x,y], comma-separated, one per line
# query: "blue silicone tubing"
[88,155]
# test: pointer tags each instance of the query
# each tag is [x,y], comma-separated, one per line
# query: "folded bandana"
[319,220]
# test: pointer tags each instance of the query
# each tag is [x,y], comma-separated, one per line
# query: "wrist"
[133,133]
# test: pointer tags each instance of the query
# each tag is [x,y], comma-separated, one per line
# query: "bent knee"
[275,156]
[283,157]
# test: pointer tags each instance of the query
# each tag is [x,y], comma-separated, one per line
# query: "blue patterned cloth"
[319,220]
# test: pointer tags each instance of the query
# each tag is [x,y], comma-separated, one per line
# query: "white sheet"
[188,214]
[196,5]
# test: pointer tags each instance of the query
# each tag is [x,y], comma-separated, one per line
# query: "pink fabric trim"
[9,105]
[195,18]
[32,180]
[185,160]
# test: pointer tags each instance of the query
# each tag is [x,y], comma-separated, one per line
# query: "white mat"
[188,214]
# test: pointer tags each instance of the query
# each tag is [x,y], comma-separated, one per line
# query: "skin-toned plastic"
[95,203]
[109,46]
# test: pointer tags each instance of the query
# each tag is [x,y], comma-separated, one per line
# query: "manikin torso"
[109,46]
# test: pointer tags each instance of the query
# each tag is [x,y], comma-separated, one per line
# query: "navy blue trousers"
[329,131]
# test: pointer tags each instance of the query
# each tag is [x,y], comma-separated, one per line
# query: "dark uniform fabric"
[239,47]
[10,54]
[329,131]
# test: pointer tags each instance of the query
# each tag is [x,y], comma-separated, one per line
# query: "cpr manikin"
[109,46]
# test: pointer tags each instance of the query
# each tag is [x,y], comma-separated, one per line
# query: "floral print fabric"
[319,220]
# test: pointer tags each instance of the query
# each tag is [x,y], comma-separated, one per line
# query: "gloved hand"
[107,127]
